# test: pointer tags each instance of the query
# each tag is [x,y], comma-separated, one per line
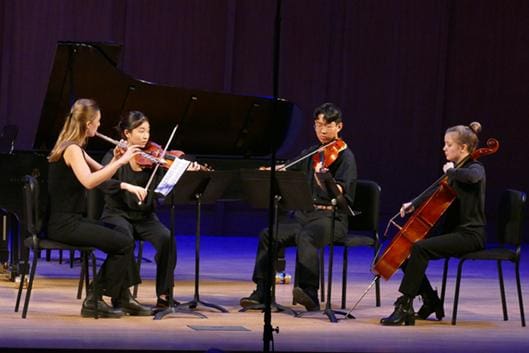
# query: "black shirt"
[466,214]
[343,170]
[66,193]
[122,202]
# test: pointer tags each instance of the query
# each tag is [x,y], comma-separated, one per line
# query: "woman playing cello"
[464,228]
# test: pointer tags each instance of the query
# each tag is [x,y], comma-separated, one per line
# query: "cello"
[420,223]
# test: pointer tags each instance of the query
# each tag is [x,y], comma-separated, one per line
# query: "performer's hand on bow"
[139,191]
[406,207]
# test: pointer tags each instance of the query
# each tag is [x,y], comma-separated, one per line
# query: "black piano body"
[226,131]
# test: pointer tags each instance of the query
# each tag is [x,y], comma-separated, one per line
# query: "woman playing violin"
[122,208]
[71,172]
[310,230]
[464,227]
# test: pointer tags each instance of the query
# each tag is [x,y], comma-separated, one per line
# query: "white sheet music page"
[172,176]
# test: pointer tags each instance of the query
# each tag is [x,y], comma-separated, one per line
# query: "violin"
[329,154]
[151,154]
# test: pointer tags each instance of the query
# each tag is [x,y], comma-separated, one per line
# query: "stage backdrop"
[402,71]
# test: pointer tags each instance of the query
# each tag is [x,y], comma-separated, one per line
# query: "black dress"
[67,223]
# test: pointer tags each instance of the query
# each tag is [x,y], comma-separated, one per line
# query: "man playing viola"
[310,230]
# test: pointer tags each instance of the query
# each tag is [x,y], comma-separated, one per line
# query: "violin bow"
[158,164]
[299,159]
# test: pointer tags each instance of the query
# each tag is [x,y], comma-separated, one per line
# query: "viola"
[420,223]
[153,149]
[329,154]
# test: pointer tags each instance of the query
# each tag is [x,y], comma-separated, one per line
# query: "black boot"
[256,298]
[131,306]
[308,297]
[431,304]
[103,309]
[403,313]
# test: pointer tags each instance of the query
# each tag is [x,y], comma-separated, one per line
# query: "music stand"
[327,183]
[199,187]
[293,193]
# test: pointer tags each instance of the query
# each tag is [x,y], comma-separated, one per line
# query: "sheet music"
[172,176]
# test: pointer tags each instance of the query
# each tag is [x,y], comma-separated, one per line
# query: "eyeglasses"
[320,126]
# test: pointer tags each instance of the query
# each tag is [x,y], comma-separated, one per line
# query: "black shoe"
[103,309]
[131,306]
[431,304]
[306,297]
[403,313]
[255,298]
[163,303]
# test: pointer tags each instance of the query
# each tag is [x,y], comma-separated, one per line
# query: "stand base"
[277,308]
[177,309]
[195,302]
[330,313]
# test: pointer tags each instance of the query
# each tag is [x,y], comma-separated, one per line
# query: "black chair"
[34,221]
[95,205]
[363,231]
[511,215]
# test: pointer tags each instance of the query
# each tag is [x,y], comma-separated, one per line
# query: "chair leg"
[30,286]
[456,295]
[377,281]
[344,275]
[48,255]
[60,257]
[520,298]
[502,292]
[322,274]
[443,284]
[81,276]
[72,257]
[22,279]
[138,264]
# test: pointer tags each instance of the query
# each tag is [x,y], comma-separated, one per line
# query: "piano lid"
[209,123]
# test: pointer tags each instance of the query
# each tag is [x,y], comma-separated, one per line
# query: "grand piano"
[227,131]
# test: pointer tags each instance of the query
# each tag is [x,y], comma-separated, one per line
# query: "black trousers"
[118,272]
[152,230]
[309,231]
[455,244]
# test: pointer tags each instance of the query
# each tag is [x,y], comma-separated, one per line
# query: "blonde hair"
[82,112]
[467,135]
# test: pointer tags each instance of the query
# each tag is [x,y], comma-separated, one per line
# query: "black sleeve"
[471,174]
[346,175]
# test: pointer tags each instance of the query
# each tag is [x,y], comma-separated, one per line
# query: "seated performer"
[464,227]
[122,208]
[71,172]
[311,229]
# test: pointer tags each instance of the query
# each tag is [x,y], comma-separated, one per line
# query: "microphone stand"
[268,330]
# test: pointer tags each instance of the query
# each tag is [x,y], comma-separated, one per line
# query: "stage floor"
[54,320]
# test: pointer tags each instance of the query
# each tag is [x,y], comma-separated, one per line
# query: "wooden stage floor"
[54,322]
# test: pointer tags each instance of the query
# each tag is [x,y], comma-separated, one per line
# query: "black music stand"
[293,193]
[173,308]
[327,183]
[199,187]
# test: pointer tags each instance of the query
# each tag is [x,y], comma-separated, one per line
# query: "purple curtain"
[402,71]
